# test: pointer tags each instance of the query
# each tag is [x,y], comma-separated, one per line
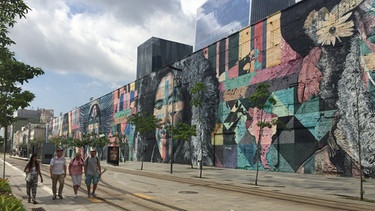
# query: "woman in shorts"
[75,171]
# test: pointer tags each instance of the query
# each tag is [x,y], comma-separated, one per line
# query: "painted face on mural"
[167,105]
[94,121]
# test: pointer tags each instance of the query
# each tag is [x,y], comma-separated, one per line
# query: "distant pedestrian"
[92,172]
[57,170]
[75,171]
[33,169]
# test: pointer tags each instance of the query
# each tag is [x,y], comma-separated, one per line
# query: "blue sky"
[88,48]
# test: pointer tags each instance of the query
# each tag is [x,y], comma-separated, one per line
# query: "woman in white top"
[32,168]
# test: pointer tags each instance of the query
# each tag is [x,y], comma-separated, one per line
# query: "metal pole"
[46,132]
[12,140]
[5,141]
[28,142]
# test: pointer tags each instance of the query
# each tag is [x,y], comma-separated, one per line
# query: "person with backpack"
[75,171]
[32,170]
[92,172]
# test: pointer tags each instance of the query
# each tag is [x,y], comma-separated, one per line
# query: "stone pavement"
[312,186]
[332,187]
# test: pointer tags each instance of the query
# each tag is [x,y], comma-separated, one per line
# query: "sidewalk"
[312,186]
[17,182]
[320,186]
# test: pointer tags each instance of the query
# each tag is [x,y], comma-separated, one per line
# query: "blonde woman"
[75,171]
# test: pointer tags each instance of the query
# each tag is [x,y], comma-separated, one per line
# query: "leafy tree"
[13,73]
[101,141]
[57,140]
[22,145]
[84,142]
[36,141]
[144,123]
[78,143]
[75,143]
[182,131]
[262,100]
[197,101]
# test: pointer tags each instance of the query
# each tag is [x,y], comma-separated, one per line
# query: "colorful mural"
[318,58]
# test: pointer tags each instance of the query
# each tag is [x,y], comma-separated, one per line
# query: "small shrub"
[10,203]
[4,186]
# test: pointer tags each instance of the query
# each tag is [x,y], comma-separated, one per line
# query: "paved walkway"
[311,186]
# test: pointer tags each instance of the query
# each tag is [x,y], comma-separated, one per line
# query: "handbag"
[28,177]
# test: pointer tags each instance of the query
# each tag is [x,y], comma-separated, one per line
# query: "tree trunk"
[257,155]
[191,156]
[142,153]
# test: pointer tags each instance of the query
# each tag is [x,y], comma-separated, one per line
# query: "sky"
[88,48]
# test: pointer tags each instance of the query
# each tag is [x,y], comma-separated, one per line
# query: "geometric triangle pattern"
[277,162]
[246,156]
[309,120]
[318,123]
[324,124]
[311,105]
[284,102]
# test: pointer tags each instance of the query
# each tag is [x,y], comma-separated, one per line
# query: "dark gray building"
[156,53]
[217,19]
[25,116]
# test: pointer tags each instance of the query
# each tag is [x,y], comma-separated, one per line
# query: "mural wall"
[317,57]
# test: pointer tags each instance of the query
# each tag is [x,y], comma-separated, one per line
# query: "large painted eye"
[158,105]
[332,30]
[163,132]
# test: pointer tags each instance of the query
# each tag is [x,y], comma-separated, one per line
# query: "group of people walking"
[58,170]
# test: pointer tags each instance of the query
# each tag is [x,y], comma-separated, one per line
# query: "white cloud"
[99,38]
[89,47]
[190,7]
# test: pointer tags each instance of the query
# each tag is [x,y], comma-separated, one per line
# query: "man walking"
[57,170]
[92,172]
